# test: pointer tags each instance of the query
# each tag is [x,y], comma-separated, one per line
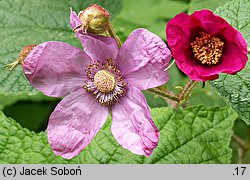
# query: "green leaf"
[236,88]
[237,14]
[192,135]
[149,14]
[236,91]
[25,22]
[8,100]
[19,108]
[208,4]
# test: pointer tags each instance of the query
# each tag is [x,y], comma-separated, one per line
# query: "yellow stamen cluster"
[207,49]
[104,81]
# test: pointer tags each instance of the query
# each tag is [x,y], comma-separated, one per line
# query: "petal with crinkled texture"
[74,123]
[149,76]
[132,125]
[99,48]
[74,20]
[142,60]
[55,68]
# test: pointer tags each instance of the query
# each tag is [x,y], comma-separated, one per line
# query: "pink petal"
[74,20]
[55,68]
[181,31]
[132,125]
[74,123]
[149,76]
[143,58]
[210,22]
[234,56]
[98,47]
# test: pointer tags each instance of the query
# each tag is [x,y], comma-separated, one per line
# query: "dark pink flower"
[96,80]
[204,45]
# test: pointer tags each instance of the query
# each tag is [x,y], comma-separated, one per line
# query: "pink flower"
[101,78]
[204,45]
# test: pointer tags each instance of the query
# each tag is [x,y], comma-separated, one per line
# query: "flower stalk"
[164,94]
[111,32]
[179,99]
[185,93]
[243,147]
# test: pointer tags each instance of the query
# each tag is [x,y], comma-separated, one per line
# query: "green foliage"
[236,91]
[25,22]
[25,111]
[236,88]
[202,4]
[238,15]
[192,135]
[149,14]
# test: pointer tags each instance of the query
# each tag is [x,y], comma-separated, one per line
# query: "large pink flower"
[96,80]
[204,45]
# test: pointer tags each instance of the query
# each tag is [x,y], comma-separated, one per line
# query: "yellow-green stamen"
[104,81]
[207,49]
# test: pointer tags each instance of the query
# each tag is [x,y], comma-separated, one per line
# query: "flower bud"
[22,55]
[95,19]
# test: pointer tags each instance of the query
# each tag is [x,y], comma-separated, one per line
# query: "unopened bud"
[21,57]
[24,53]
[95,19]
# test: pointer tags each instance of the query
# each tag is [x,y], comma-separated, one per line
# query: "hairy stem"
[187,89]
[239,141]
[111,33]
[178,99]
[185,93]
[164,94]
[243,147]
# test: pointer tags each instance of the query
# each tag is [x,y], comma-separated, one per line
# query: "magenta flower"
[204,45]
[93,82]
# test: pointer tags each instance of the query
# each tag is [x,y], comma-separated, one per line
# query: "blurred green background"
[33,111]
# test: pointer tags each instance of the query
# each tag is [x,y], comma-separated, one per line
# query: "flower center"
[207,49]
[104,81]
